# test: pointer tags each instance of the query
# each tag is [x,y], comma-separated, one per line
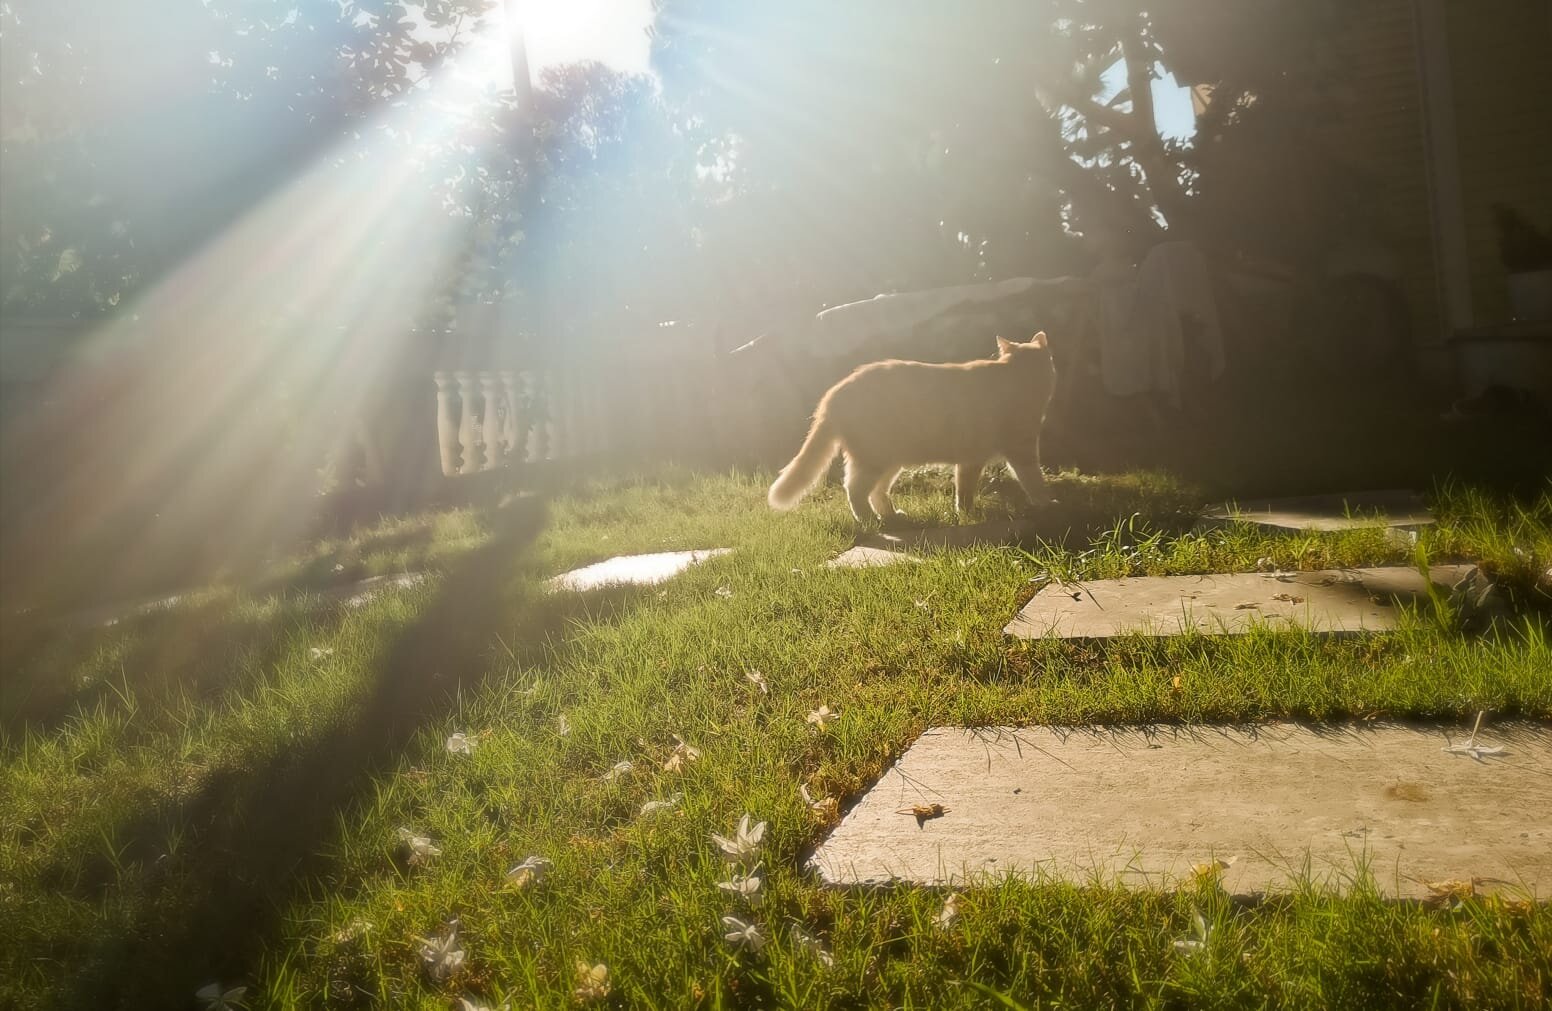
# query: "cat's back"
[895,375]
[919,411]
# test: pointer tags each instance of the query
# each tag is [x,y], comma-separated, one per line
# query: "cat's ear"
[1038,340]
[1004,346]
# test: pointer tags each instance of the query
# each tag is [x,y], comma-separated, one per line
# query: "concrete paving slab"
[1145,806]
[361,593]
[107,615]
[1391,507]
[863,557]
[632,570]
[1324,600]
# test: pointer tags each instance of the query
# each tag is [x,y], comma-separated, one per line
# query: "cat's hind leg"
[966,476]
[1026,469]
[879,498]
[860,481]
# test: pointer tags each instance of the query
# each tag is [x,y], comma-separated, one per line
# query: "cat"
[892,414]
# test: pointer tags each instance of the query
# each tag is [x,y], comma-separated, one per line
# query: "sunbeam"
[211,402]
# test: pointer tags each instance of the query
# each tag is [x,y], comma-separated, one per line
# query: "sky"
[613,32]
[1171,103]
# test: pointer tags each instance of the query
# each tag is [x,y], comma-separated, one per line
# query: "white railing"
[488,418]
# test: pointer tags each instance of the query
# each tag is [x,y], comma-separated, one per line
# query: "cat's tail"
[806,468]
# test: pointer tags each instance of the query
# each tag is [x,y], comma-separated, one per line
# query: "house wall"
[1501,79]
[1383,131]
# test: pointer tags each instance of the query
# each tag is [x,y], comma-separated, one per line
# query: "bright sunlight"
[677,504]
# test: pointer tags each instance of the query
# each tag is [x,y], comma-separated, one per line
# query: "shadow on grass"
[194,652]
[1083,509]
[254,835]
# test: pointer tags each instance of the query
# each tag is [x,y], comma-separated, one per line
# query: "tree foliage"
[788,156]
[911,130]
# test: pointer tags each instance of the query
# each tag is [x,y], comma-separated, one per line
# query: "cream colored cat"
[890,415]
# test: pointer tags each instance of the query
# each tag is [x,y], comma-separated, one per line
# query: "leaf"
[69,263]
[924,812]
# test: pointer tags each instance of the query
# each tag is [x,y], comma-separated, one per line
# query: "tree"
[886,119]
[132,134]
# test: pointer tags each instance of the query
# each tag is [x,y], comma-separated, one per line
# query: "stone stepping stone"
[1148,806]
[864,557]
[1324,600]
[363,592]
[108,615]
[632,570]
[1395,508]
[353,594]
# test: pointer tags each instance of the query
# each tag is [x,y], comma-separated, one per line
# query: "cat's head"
[1033,352]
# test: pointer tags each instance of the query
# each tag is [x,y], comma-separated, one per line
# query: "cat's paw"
[894,519]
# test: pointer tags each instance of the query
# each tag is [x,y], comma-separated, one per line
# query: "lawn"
[248,788]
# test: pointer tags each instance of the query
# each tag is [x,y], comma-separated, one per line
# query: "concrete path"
[1397,508]
[1325,600]
[1147,806]
[632,570]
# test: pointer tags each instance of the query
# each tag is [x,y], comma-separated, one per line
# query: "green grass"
[195,795]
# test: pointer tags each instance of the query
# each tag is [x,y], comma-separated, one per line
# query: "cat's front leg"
[882,504]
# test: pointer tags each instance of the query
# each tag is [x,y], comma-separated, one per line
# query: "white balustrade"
[447,423]
[467,434]
[491,434]
[497,417]
[509,431]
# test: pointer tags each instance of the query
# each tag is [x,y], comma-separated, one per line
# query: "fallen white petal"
[654,806]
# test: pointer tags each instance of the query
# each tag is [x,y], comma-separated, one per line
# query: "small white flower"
[1476,750]
[592,982]
[320,652]
[741,934]
[654,806]
[1472,747]
[758,680]
[616,771]
[744,844]
[822,717]
[745,886]
[950,912]
[825,807]
[339,567]
[441,955]
[529,872]
[218,999]
[683,755]
[562,725]
[461,744]
[812,946]
[1200,932]
[420,846]
[724,592]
